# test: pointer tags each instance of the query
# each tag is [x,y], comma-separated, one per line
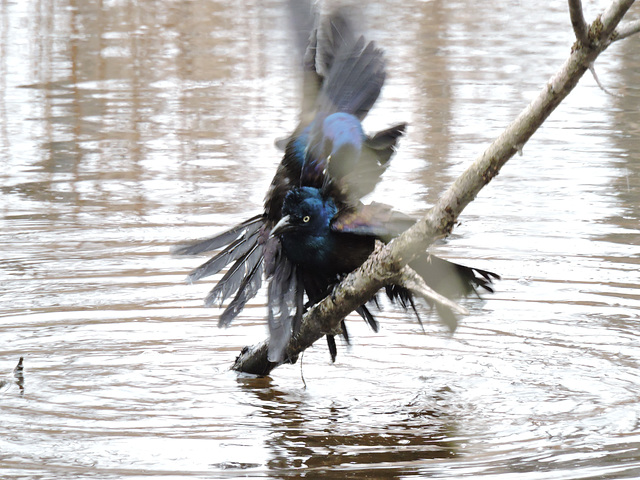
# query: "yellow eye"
[306,219]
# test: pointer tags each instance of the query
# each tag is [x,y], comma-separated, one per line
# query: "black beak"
[283,226]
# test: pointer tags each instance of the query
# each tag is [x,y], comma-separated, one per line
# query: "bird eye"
[306,219]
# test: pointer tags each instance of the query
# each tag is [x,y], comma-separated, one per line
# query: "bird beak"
[283,226]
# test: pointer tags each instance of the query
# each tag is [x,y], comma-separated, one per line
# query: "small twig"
[577,20]
[301,373]
[592,69]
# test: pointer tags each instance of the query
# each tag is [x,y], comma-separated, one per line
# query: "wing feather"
[247,228]
[231,281]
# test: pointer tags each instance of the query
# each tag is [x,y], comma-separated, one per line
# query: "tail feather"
[247,228]
[333,350]
[452,279]
[487,279]
[365,313]
[345,332]
[403,296]
[398,294]
[331,341]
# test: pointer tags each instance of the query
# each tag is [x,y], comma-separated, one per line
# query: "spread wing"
[376,219]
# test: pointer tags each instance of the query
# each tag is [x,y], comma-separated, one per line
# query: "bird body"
[326,237]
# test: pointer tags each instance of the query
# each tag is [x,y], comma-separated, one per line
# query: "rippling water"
[127,127]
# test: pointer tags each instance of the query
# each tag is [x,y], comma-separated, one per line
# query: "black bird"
[343,76]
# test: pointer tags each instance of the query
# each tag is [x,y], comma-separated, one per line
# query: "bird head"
[305,211]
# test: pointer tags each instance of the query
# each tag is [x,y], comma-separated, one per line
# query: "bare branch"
[627,30]
[609,20]
[577,20]
[386,263]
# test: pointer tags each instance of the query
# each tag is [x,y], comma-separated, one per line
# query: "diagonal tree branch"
[386,262]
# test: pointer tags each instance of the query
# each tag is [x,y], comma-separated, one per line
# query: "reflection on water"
[128,127]
[315,436]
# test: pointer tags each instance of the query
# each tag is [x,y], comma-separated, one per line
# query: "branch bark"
[628,29]
[577,20]
[386,262]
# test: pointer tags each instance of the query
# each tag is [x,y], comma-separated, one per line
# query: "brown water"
[127,127]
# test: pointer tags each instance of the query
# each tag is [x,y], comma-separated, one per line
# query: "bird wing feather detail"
[375,219]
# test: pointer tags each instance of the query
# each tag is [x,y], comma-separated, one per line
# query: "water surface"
[128,127]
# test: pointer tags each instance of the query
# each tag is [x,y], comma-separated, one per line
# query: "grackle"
[325,235]
[342,78]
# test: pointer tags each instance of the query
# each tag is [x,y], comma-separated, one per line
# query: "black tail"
[447,278]
[450,279]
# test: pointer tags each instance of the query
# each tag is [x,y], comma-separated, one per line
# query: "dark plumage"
[326,236]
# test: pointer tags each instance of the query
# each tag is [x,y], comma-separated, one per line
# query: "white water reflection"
[125,129]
